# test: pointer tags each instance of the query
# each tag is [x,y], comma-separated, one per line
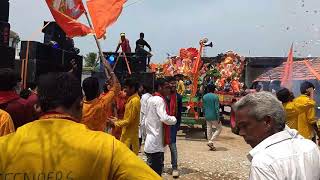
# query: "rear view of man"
[6,123]
[140,43]
[58,147]
[212,114]
[18,108]
[94,114]
[278,151]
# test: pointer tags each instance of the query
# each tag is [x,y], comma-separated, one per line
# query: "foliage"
[90,59]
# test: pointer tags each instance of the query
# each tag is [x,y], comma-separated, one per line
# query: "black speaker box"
[4,33]
[7,56]
[4,10]
[138,64]
[146,79]
[37,67]
[37,50]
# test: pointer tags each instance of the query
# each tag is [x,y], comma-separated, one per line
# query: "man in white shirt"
[156,115]
[144,98]
[278,151]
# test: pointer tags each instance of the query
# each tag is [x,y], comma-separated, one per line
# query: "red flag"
[286,79]
[66,13]
[104,13]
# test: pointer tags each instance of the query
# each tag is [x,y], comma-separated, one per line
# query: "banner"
[103,14]
[66,13]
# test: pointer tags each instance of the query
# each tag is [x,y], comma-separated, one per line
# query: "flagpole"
[96,39]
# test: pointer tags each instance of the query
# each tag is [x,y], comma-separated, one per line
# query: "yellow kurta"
[130,123]
[291,115]
[306,117]
[6,123]
[63,149]
[180,87]
[94,112]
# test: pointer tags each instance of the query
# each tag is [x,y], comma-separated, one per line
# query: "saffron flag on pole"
[286,79]
[66,13]
[104,13]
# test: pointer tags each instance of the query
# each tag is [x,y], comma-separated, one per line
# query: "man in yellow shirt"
[131,119]
[6,123]
[307,112]
[292,113]
[94,112]
[58,147]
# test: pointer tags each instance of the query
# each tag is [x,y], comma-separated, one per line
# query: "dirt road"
[197,162]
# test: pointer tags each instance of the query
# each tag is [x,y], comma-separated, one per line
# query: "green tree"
[90,59]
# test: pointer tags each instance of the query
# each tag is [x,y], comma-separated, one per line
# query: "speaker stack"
[7,54]
[137,64]
[45,57]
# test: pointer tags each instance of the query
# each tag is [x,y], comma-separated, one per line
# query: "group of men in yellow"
[68,141]
[300,111]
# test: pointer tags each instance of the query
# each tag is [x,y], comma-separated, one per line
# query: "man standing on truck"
[212,115]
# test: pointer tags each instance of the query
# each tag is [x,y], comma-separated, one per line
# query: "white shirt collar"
[286,134]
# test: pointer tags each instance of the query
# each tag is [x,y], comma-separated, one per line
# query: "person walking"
[212,115]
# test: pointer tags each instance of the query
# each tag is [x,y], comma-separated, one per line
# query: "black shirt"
[140,43]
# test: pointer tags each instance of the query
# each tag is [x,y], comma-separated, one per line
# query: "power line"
[133,3]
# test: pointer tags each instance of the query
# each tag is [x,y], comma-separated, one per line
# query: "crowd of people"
[58,128]
[75,131]
[281,129]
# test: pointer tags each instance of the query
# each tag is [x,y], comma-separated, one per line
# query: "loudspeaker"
[7,56]
[37,50]
[53,32]
[146,79]
[4,10]
[138,64]
[38,67]
[4,33]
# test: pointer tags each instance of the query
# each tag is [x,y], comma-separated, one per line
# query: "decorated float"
[224,73]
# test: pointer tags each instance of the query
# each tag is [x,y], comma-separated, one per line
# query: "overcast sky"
[249,27]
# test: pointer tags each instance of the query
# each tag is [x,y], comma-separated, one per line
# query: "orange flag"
[104,13]
[66,13]
[286,79]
